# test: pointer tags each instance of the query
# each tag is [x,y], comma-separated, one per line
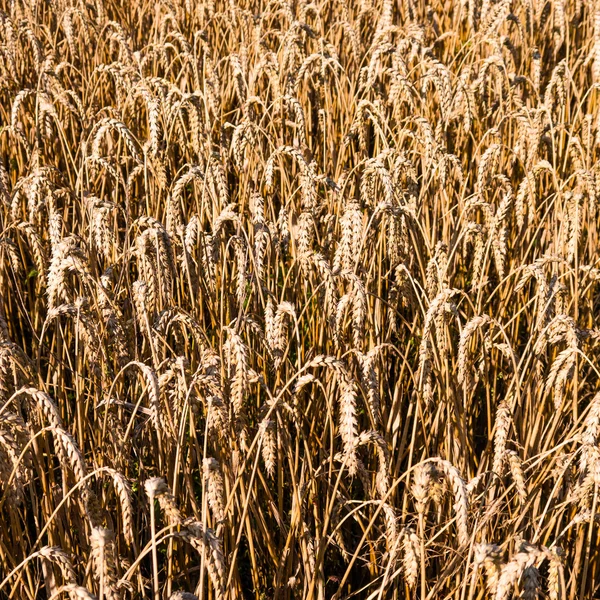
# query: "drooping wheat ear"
[488,165]
[574,222]
[382,485]
[474,236]
[499,229]
[14,367]
[307,175]
[66,448]
[591,432]
[156,414]
[156,487]
[466,334]
[60,558]
[439,486]
[371,382]
[188,236]
[555,573]
[191,235]
[56,277]
[10,463]
[555,93]
[227,215]
[11,250]
[110,124]
[142,303]
[309,549]
[376,170]
[299,120]
[494,17]
[270,331]
[439,75]
[351,226]
[410,560]
[562,470]
[168,384]
[561,372]
[5,185]
[237,359]
[516,470]
[338,531]
[421,486]
[238,77]
[305,233]
[529,556]
[323,268]
[300,384]
[436,273]
[213,87]
[561,328]
[262,234]
[244,136]
[204,540]
[241,265]
[383,457]
[71,457]
[55,229]
[102,542]
[484,9]
[427,383]
[44,404]
[340,315]
[47,114]
[67,257]
[348,425]
[501,429]
[398,245]
[596,62]
[217,415]
[392,535]
[525,191]
[123,491]
[435,310]
[153,109]
[192,531]
[20,98]
[174,219]
[67,23]
[216,175]
[358,295]
[86,327]
[37,250]
[269,445]
[461,497]
[465,99]
[589,478]
[490,556]
[103,233]
[583,516]
[215,489]
[543,295]
[154,251]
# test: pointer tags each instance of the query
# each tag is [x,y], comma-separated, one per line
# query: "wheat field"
[298,299]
